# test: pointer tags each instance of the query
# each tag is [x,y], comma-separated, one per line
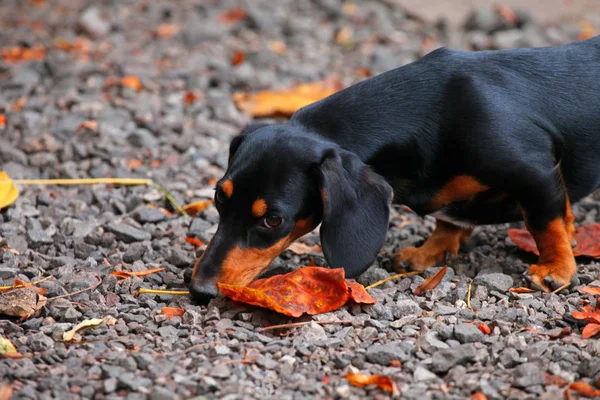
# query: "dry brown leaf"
[6,392]
[132,82]
[591,290]
[590,330]
[588,316]
[302,248]
[7,349]
[197,207]
[194,242]
[128,274]
[88,323]
[21,302]
[277,47]
[584,389]
[521,290]
[238,58]
[167,30]
[554,380]
[172,312]
[359,294]
[233,15]
[431,282]
[190,98]
[19,54]
[133,164]
[90,125]
[284,102]
[384,382]
[587,237]
[311,290]
[19,104]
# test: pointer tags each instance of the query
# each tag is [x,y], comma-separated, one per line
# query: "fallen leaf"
[359,294]
[128,274]
[478,396]
[277,47]
[365,73]
[521,290]
[167,30]
[384,382]
[587,237]
[238,58]
[90,125]
[190,98]
[587,316]
[133,164]
[88,323]
[19,104]
[560,334]
[584,389]
[396,364]
[21,302]
[590,330]
[7,349]
[132,82]
[6,392]
[311,290]
[19,284]
[431,282]
[194,242]
[2,120]
[485,328]
[301,248]
[591,290]
[284,102]
[233,15]
[196,207]
[507,13]
[8,190]
[19,54]
[554,380]
[171,312]
[344,36]
[587,30]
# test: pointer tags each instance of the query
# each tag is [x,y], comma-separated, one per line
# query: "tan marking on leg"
[446,238]
[461,187]
[556,254]
[259,208]
[227,188]
[242,265]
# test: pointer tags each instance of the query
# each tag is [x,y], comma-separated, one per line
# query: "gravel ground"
[79,234]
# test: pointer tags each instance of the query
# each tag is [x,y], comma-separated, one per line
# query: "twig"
[94,286]
[297,324]
[561,288]
[161,291]
[169,197]
[84,181]
[31,283]
[381,282]
[469,294]
[241,360]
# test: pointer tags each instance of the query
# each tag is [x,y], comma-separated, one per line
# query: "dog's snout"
[203,292]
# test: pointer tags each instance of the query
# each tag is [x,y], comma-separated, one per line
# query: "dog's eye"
[219,196]
[272,221]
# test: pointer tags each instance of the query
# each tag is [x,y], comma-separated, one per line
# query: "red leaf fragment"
[384,382]
[431,282]
[587,237]
[485,328]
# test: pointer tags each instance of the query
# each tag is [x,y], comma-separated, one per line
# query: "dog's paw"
[549,278]
[419,259]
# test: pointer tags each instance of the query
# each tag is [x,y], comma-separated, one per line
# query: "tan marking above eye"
[259,208]
[227,188]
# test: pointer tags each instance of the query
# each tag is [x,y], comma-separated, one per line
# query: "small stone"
[162,393]
[221,350]
[526,375]
[110,385]
[312,332]
[440,309]
[468,333]
[8,273]
[368,333]
[134,252]
[36,234]
[445,359]
[179,258]
[91,22]
[403,308]
[148,214]
[494,281]
[127,233]
[168,331]
[509,357]
[220,371]
[40,342]
[384,354]
[421,374]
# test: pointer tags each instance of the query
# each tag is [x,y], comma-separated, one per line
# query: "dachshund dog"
[469,137]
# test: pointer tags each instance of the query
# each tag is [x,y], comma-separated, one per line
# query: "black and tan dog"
[468,137]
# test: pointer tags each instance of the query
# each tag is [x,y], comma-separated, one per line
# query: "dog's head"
[281,183]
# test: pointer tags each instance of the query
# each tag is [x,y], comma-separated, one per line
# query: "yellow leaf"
[8,191]
[88,323]
[7,349]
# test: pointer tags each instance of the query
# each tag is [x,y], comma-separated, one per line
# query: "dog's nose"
[202,292]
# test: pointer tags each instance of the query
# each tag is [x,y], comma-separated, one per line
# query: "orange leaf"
[301,248]
[311,290]
[19,54]
[384,382]
[2,120]
[284,102]
[171,312]
[127,274]
[277,47]
[363,72]
[89,125]
[485,328]
[478,396]
[167,30]
[133,164]
[554,380]
[194,242]
[562,333]
[359,294]
[587,237]
[6,392]
[19,103]
[587,30]
[233,15]
[431,282]
[588,316]
[196,207]
[521,290]
[396,364]
[591,290]
[132,82]
[190,98]
[238,58]
[590,330]
[584,389]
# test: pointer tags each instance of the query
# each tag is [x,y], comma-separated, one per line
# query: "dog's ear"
[237,141]
[356,211]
